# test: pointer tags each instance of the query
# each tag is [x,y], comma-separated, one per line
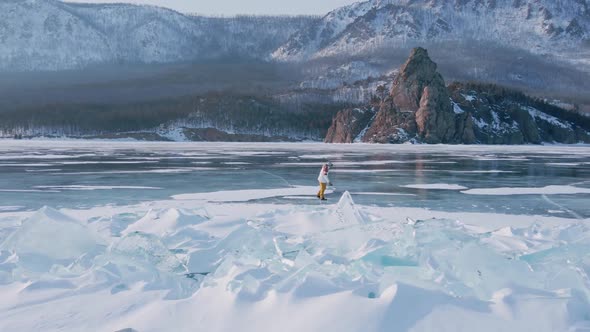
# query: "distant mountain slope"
[541,26]
[52,35]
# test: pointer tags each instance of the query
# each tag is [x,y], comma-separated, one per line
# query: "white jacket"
[323,178]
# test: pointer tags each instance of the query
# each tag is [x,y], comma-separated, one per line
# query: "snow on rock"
[469,97]
[457,109]
[536,114]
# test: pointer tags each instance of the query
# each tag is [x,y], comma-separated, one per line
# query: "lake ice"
[106,236]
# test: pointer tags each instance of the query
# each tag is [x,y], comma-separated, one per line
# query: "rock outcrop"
[418,107]
[504,116]
[421,109]
[348,125]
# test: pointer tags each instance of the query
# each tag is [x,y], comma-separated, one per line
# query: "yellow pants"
[322,190]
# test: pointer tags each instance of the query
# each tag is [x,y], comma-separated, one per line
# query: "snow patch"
[82,187]
[175,134]
[456,108]
[361,135]
[435,186]
[469,97]
[536,114]
[548,190]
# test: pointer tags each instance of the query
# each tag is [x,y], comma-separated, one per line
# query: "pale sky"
[233,7]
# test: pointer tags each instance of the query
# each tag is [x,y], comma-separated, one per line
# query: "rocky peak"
[418,107]
[418,72]
[422,109]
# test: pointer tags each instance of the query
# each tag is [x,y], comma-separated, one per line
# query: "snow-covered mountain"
[541,26]
[52,35]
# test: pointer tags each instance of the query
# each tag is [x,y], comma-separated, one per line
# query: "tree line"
[236,113]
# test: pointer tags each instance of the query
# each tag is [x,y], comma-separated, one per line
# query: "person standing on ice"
[324,181]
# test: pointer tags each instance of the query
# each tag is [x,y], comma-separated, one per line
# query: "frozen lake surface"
[106,236]
[450,178]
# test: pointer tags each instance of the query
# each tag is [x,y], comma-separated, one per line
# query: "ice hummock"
[227,264]
[347,211]
[48,239]
[53,235]
[146,250]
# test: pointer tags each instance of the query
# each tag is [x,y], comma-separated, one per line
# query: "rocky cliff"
[350,125]
[421,109]
[418,106]
[488,114]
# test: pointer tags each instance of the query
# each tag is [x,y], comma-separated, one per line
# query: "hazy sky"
[233,7]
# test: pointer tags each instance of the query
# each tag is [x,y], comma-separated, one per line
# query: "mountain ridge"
[539,25]
[54,35]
